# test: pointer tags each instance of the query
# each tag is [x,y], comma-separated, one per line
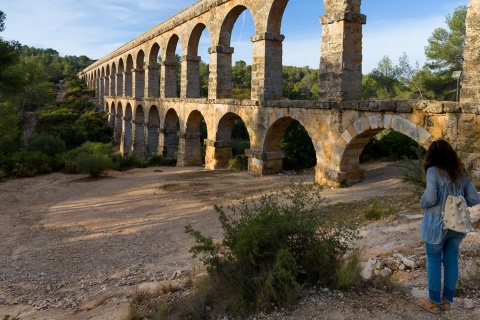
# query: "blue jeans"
[445,252]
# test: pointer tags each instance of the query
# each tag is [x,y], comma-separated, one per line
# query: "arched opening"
[171,68]
[128,77]
[127,131]
[170,135]
[377,148]
[289,146]
[120,78]
[139,132]
[229,78]
[118,130]
[300,78]
[196,77]
[107,81]
[153,77]
[193,143]
[153,130]
[231,142]
[139,75]
[112,116]
[113,82]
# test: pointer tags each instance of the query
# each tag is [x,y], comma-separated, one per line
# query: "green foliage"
[445,47]
[390,145]
[272,248]
[30,163]
[376,212]
[8,317]
[46,143]
[159,160]
[300,83]
[93,127]
[93,164]
[348,274]
[298,146]
[9,128]
[238,162]
[102,150]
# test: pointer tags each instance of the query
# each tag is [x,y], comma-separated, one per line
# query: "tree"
[9,129]
[9,55]
[445,47]
[2,20]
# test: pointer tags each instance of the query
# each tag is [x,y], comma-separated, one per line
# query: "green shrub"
[239,162]
[272,249]
[239,146]
[127,162]
[30,163]
[46,143]
[93,164]
[159,160]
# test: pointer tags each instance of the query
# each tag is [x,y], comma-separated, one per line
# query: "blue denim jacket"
[433,201]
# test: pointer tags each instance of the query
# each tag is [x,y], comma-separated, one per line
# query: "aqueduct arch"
[338,123]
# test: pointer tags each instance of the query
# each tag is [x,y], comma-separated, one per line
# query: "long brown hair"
[440,154]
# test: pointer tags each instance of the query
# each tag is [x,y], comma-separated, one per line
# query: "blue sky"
[97,27]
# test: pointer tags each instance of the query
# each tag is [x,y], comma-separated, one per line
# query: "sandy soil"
[76,248]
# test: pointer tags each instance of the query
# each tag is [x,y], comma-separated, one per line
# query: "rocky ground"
[77,248]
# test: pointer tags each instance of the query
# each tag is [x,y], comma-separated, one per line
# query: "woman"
[444,171]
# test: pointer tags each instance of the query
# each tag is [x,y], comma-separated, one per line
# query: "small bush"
[239,162]
[376,212]
[30,163]
[47,144]
[274,248]
[127,162]
[159,160]
[93,164]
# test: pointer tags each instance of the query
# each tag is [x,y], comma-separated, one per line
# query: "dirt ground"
[76,248]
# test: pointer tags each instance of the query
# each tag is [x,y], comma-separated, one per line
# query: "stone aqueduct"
[140,95]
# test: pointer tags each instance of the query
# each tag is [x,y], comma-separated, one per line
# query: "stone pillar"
[341,59]
[120,85]
[190,82]
[470,80]
[220,78]
[267,75]
[168,142]
[264,163]
[152,86]
[138,81]
[138,145]
[217,154]
[189,150]
[126,138]
[113,87]
[127,84]
[168,81]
